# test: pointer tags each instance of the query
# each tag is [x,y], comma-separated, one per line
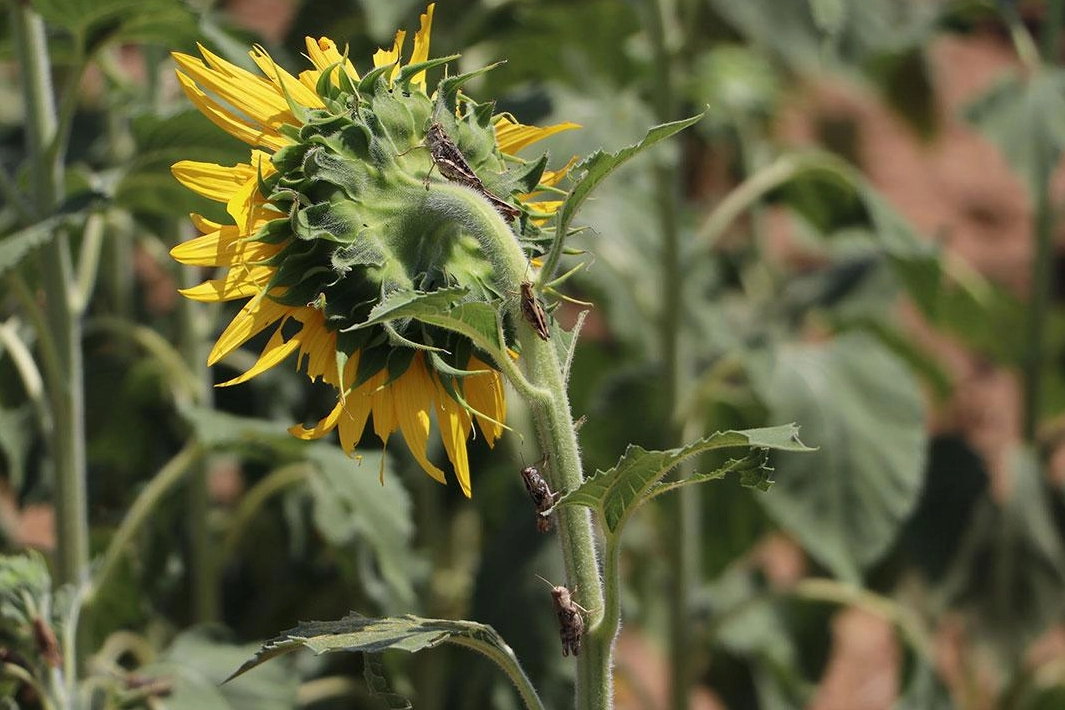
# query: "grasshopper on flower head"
[448,159]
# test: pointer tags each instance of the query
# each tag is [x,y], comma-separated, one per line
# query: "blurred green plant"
[698,326]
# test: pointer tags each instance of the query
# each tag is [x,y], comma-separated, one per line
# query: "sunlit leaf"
[616,493]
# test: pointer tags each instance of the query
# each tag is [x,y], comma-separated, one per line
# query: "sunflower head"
[340,213]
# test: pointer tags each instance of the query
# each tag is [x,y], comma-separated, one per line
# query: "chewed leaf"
[445,309]
[361,633]
[616,493]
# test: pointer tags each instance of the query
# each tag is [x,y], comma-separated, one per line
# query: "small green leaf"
[361,633]
[616,493]
[597,166]
[476,320]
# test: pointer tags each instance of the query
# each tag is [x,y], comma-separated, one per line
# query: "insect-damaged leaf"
[360,633]
[476,320]
[619,491]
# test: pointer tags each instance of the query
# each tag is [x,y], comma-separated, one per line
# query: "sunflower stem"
[63,371]
[544,388]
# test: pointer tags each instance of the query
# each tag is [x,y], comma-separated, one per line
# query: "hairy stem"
[544,388]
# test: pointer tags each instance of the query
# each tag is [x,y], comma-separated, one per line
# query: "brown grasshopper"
[448,159]
[532,311]
[570,621]
[540,493]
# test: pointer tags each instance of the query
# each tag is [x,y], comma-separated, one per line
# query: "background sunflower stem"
[1042,275]
[683,524]
[63,370]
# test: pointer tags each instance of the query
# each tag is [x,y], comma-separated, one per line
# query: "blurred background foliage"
[861,236]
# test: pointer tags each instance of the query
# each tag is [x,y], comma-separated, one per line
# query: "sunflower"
[329,227]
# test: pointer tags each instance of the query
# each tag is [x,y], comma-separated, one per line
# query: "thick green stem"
[64,371]
[203,560]
[545,390]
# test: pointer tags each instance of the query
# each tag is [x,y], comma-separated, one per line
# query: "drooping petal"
[323,427]
[412,394]
[454,422]
[353,420]
[484,392]
[257,314]
[274,353]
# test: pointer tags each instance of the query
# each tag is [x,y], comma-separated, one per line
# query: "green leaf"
[616,493]
[593,169]
[1025,118]
[846,502]
[196,663]
[221,430]
[360,633]
[476,320]
[15,246]
[99,21]
[354,507]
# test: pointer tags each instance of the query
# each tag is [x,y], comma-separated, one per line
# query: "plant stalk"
[63,373]
[683,524]
[545,391]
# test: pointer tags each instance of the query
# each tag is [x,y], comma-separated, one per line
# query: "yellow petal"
[323,427]
[413,395]
[353,421]
[323,54]
[512,136]
[318,351]
[240,282]
[421,45]
[256,316]
[484,392]
[274,353]
[384,57]
[554,177]
[454,422]
[213,181]
[225,246]
[384,411]
[228,121]
[245,205]
[253,96]
[286,83]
